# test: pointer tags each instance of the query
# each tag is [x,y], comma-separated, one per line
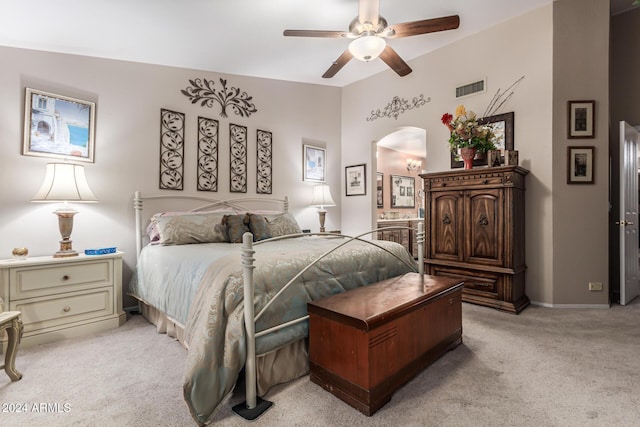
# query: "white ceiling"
[237,36]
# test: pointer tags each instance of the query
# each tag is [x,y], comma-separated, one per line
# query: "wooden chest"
[366,343]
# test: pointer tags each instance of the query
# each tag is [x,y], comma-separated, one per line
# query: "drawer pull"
[446,219]
[484,220]
[65,278]
[482,285]
[485,181]
[66,309]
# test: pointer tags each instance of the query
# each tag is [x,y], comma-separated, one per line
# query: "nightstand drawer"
[40,313]
[30,282]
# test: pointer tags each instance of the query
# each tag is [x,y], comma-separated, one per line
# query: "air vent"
[471,88]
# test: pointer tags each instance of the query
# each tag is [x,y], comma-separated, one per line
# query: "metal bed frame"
[254,406]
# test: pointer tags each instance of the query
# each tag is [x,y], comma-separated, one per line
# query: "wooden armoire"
[474,223]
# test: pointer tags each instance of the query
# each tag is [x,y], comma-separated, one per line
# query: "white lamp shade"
[64,182]
[322,196]
[366,48]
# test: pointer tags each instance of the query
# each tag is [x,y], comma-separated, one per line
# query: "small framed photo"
[580,165]
[314,159]
[581,119]
[355,180]
[403,191]
[58,126]
[379,189]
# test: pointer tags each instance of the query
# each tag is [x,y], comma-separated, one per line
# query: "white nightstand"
[63,297]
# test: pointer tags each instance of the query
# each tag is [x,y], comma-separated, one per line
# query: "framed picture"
[581,123]
[314,161]
[379,189]
[403,190]
[502,126]
[58,126]
[580,165]
[355,180]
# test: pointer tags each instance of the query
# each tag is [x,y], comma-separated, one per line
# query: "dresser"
[63,297]
[405,236]
[474,222]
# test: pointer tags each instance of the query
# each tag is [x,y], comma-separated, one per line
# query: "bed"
[197,266]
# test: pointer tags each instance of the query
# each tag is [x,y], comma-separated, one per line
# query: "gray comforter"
[215,332]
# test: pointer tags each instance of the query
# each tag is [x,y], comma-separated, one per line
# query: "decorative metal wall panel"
[203,91]
[207,154]
[398,106]
[238,158]
[171,150]
[264,162]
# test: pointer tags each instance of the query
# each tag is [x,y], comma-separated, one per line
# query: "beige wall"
[562,50]
[498,55]
[129,97]
[580,212]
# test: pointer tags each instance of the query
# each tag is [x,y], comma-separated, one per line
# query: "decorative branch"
[202,91]
[398,106]
[499,100]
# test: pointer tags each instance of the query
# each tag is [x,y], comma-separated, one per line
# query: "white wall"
[129,97]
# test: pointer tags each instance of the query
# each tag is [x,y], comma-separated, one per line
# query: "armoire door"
[447,221]
[484,227]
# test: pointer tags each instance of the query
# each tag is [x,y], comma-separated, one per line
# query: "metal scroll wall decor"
[171,150]
[208,131]
[265,162]
[398,106]
[203,91]
[238,160]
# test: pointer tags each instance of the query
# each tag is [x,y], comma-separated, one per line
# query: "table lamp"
[321,199]
[64,183]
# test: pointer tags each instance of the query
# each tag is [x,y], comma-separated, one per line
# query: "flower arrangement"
[467,132]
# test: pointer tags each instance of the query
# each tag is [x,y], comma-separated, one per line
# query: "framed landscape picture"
[58,126]
[314,161]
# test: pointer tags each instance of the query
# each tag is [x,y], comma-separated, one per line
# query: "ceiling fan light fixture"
[367,47]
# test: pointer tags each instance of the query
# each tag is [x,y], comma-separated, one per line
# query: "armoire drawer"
[466,181]
[36,281]
[486,283]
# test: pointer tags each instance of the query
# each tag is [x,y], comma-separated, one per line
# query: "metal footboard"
[254,406]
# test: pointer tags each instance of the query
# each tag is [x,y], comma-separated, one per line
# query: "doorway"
[401,153]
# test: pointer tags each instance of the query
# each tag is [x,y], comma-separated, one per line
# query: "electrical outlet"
[595,286]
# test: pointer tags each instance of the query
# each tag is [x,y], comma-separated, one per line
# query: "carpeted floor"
[544,367]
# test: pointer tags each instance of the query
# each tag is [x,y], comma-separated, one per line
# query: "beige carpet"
[545,367]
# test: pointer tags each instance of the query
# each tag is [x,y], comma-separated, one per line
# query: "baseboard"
[544,304]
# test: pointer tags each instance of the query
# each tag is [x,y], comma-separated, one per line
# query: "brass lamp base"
[322,213]
[65,224]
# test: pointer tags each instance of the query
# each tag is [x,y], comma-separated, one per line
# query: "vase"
[468,154]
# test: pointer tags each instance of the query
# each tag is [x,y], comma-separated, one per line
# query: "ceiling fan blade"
[315,33]
[423,27]
[368,11]
[338,64]
[393,60]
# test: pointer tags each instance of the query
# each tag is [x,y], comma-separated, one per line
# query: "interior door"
[629,277]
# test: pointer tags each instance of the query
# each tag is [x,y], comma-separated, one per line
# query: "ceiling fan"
[368,32]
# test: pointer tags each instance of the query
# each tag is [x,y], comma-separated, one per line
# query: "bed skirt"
[276,367]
